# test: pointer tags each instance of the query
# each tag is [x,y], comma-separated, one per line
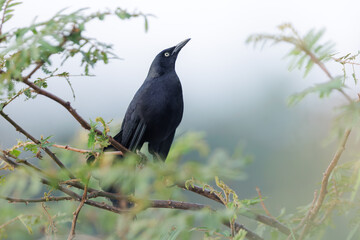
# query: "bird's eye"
[166,54]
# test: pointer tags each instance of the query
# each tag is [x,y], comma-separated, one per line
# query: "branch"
[76,214]
[67,147]
[324,182]
[93,192]
[201,191]
[14,219]
[3,16]
[64,103]
[323,190]
[9,161]
[258,217]
[170,204]
[323,68]
[176,205]
[70,109]
[152,203]
[51,226]
[44,199]
[15,96]
[47,150]
[262,203]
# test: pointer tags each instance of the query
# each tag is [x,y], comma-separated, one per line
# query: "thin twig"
[67,147]
[73,182]
[176,205]
[73,112]
[303,221]
[324,69]
[28,135]
[14,219]
[9,161]
[324,182]
[76,214]
[52,226]
[14,97]
[44,199]
[323,190]
[262,202]
[258,217]
[152,204]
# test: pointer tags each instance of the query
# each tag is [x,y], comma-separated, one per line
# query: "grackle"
[157,107]
[155,111]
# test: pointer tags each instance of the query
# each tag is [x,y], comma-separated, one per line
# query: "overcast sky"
[232,91]
[218,70]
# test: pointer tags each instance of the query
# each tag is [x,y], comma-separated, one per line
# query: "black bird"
[157,107]
[154,113]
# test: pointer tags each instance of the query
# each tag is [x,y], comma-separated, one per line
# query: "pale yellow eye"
[166,54]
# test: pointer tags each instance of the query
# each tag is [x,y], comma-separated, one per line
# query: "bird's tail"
[114,188]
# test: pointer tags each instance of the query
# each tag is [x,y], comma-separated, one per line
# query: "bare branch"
[262,203]
[324,183]
[76,214]
[52,226]
[44,199]
[9,161]
[13,220]
[67,147]
[201,191]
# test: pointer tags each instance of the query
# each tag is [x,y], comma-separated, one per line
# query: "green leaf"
[2,2]
[308,67]
[32,148]
[105,57]
[146,24]
[14,4]
[122,14]
[240,235]
[91,139]
[15,152]
[323,89]
[27,93]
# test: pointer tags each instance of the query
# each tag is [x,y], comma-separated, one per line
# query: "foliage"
[338,194]
[55,182]
[51,181]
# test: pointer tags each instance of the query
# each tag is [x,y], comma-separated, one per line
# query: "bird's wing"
[133,129]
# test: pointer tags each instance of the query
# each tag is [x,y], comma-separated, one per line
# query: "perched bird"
[155,111]
[157,107]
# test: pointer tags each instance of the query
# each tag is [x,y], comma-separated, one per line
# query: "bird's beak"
[180,46]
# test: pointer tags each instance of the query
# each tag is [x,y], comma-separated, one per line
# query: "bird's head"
[165,60]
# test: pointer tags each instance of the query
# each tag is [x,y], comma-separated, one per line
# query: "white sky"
[217,68]
[237,92]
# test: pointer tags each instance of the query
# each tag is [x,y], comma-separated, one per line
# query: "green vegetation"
[48,190]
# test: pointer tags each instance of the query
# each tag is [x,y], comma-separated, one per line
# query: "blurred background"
[233,92]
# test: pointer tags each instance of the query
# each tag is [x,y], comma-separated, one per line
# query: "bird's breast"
[162,108]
